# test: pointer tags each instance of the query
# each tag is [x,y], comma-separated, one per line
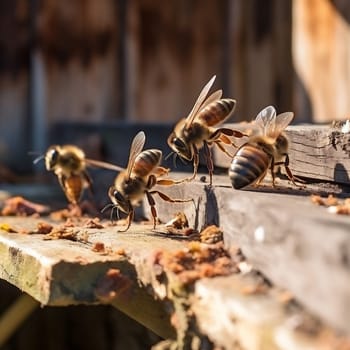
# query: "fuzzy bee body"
[264,150]
[199,129]
[138,180]
[69,164]
[132,184]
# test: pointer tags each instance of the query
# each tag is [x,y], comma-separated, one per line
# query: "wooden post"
[321,38]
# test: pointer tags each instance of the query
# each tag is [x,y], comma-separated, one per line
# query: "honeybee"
[137,180]
[69,163]
[265,149]
[197,130]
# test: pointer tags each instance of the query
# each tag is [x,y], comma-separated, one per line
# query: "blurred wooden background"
[139,60]
[115,61]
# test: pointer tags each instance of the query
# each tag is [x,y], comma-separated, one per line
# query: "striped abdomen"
[146,161]
[248,165]
[217,111]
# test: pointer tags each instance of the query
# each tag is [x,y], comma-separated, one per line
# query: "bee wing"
[271,124]
[135,149]
[281,122]
[100,164]
[265,120]
[203,94]
[213,97]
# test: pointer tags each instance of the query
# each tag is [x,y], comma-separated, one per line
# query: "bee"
[265,149]
[137,180]
[69,163]
[198,130]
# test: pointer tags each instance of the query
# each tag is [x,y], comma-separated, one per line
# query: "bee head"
[52,157]
[119,200]
[282,144]
[180,147]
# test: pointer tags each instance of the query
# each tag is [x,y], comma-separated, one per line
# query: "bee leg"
[88,180]
[129,218]
[195,167]
[259,180]
[169,182]
[228,132]
[272,167]
[160,171]
[152,204]
[290,175]
[223,149]
[195,164]
[210,164]
[169,199]
[62,181]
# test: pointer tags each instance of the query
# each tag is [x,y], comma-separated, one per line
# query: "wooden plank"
[263,317]
[283,234]
[317,152]
[62,272]
[241,307]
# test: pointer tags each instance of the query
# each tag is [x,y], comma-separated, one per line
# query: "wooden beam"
[263,316]
[295,243]
[138,271]
[61,272]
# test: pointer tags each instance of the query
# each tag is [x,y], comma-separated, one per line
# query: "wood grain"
[295,243]
[62,272]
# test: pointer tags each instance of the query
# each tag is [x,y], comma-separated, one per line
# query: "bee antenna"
[174,159]
[38,159]
[106,207]
[185,162]
[169,155]
[112,212]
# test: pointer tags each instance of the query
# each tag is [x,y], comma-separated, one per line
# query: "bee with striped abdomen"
[265,149]
[137,180]
[198,130]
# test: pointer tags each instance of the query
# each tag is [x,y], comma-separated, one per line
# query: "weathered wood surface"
[61,272]
[263,317]
[253,314]
[317,152]
[295,243]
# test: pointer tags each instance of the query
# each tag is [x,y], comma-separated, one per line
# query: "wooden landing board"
[295,243]
[252,313]
[317,152]
[62,272]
